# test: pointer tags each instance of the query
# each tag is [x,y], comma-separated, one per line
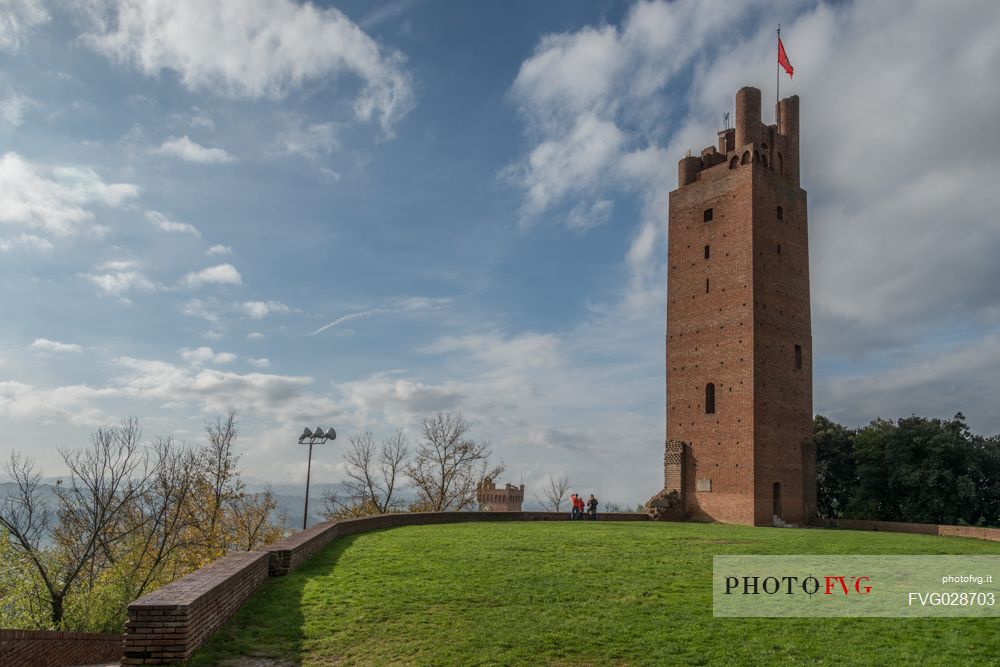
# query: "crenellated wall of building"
[776,146]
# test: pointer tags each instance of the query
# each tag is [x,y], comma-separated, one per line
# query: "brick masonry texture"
[991,534]
[34,648]
[169,624]
[738,305]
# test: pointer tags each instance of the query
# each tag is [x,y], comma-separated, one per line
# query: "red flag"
[783,59]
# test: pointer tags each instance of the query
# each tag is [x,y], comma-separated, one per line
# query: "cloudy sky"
[357,214]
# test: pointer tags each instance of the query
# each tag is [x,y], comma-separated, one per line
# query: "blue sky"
[357,214]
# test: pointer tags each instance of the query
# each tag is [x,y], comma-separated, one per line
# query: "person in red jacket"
[575,511]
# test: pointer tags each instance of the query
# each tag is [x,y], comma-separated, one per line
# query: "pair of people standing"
[580,507]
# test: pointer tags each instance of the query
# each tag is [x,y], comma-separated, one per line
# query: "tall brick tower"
[739,342]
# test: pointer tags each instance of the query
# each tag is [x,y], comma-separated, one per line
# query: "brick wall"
[33,648]
[169,624]
[991,534]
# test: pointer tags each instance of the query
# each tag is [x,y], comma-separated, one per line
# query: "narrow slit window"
[708,215]
[779,248]
[707,252]
[781,213]
[709,399]
[706,285]
[798,356]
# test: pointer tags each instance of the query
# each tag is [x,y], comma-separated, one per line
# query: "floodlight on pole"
[311,438]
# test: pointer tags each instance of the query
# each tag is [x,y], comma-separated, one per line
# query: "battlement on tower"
[493,499]
[774,147]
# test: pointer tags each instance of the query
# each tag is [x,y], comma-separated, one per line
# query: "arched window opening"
[781,164]
[735,162]
[777,499]
[708,252]
[781,213]
[709,399]
[708,215]
[746,158]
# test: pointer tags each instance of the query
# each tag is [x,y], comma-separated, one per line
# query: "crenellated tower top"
[775,147]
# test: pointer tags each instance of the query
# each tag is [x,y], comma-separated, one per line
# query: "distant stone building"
[739,343]
[492,499]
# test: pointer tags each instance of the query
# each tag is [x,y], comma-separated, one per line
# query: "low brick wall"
[37,648]
[169,624]
[992,534]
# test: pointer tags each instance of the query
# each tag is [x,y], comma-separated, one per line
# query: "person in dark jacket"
[592,507]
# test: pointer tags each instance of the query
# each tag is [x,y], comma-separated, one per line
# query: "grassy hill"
[572,594]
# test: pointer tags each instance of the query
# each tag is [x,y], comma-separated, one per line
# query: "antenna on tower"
[725,121]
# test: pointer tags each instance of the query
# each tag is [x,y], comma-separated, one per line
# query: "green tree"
[836,478]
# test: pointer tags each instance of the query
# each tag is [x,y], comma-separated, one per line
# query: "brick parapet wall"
[991,534]
[39,648]
[169,624]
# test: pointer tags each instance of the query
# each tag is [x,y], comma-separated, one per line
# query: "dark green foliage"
[835,470]
[914,470]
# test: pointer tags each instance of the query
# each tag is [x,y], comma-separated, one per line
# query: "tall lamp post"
[311,438]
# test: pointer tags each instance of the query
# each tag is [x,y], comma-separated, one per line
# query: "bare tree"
[372,477]
[162,516]
[555,493]
[448,465]
[105,480]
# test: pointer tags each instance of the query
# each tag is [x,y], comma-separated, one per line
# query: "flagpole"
[777,85]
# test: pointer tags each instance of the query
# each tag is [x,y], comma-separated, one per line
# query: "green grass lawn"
[575,594]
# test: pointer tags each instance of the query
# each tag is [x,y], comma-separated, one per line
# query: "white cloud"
[57,199]
[219,249]
[46,345]
[185,149]
[206,309]
[205,355]
[17,19]
[260,309]
[404,306]
[117,278]
[308,140]
[263,362]
[25,242]
[12,108]
[74,403]
[256,335]
[589,214]
[254,48]
[221,274]
[260,394]
[328,175]
[163,223]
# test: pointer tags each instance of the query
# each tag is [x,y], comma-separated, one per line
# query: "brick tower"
[739,342]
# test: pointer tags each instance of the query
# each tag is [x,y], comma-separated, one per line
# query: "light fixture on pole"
[311,438]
